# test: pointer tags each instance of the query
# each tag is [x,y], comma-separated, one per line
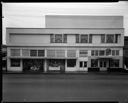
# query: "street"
[65,87]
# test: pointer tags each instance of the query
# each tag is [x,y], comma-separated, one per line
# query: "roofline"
[84,15]
[59,28]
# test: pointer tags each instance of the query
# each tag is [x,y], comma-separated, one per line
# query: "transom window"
[33,52]
[15,52]
[83,53]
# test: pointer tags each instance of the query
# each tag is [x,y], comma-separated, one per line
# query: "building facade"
[126,51]
[67,44]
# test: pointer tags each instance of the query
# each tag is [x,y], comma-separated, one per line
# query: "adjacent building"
[126,52]
[68,43]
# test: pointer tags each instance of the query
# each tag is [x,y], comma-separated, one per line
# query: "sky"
[32,15]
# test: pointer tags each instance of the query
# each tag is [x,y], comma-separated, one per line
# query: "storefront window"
[15,62]
[94,63]
[114,63]
[71,63]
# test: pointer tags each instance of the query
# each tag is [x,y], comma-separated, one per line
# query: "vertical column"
[45,65]
[8,64]
[21,65]
[65,65]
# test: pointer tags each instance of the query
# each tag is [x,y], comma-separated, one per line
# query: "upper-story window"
[102,38]
[58,38]
[110,38]
[83,38]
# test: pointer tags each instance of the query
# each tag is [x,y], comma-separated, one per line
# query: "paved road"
[65,87]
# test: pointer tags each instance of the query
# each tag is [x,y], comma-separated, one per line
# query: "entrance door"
[83,65]
[103,65]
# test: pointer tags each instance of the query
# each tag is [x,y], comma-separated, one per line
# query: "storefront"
[33,65]
[55,65]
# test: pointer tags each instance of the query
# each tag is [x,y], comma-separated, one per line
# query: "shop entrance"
[83,65]
[104,64]
[33,65]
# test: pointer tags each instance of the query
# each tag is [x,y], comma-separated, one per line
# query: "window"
[52,38]
[25,52]
[71,53]
[15,62]
[33,52]
[93,53]
[90,38]
[71,63]
[77,38]
[40,52]
[114,63]
[116,38]
[50,53]
[15,52]
[108,51]
[81,64]
[117,52]
[83,53]
[58,38]
[102,38]
[65,38]
[84,38]
[96,52]
[110,38]
[94,63]
[60,53]
[113,52]
[101,52]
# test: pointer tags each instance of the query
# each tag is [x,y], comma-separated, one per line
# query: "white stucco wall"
[76,21]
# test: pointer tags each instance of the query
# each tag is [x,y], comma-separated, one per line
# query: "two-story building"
[68,43]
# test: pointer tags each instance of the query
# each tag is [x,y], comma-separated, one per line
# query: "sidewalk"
[74,73]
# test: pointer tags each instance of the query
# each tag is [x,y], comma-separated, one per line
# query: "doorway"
[83,65]
[104,65]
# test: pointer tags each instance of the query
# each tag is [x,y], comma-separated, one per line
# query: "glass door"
[83,65]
